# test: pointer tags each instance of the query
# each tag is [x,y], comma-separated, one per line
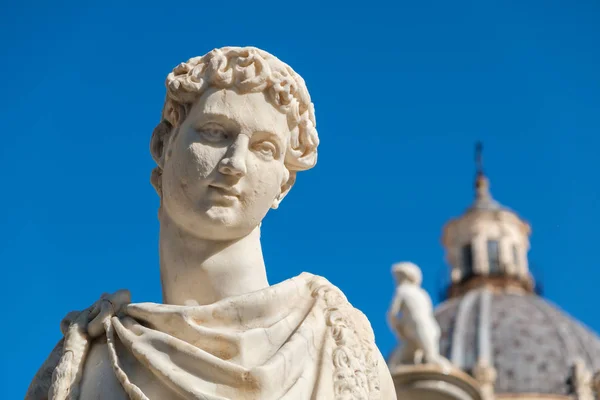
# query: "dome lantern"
[488,244]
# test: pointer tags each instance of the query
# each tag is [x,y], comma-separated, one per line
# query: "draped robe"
[299,339]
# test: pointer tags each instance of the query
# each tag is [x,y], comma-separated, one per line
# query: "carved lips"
[222,193]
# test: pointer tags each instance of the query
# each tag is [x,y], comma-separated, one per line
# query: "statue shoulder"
[354,350]
[40,385]
[412,294]
[337,307]
[61,372]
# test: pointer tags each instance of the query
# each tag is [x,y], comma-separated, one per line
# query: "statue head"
[237,125]
[407,272]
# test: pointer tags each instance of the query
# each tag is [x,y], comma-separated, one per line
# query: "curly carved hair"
[248,70]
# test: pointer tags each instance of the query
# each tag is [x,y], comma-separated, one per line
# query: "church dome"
[531,343]
[493,325]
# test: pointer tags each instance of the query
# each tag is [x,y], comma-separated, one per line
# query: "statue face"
[225,168]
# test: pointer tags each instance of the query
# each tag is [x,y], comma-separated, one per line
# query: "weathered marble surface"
[236,127]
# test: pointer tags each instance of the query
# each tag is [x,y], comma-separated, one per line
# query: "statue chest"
[99,381]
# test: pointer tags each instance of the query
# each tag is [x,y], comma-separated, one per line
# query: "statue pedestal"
[434,382]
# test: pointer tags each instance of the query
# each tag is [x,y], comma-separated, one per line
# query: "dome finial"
[479,157]
[482,185]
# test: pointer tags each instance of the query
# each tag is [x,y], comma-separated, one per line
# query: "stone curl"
[247,70]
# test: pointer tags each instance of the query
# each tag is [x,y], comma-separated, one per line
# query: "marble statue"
[596,383]
[582,380]
[411,317]
[236,128]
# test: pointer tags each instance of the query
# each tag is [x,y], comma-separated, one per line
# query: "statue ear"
[285,188]
[160,138]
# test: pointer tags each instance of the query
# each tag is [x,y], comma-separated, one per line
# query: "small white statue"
[411,317]
[596,383]
[583,380]
[236,128]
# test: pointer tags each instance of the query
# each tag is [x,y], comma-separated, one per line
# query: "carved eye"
[213,133]
[266,149]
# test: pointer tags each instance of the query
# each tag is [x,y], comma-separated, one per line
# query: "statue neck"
[197,271]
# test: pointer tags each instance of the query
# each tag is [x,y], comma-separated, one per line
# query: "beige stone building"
[501,338]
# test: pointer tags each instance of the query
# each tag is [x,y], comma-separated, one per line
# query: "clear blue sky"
[401,91]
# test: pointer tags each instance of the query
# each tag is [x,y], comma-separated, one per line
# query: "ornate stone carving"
[355,358]
[411,317]
[236,127]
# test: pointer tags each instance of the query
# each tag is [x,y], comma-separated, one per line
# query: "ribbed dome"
[493,318]
[531,343]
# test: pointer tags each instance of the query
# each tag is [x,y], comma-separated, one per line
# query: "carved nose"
[232,166]
[234,162]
